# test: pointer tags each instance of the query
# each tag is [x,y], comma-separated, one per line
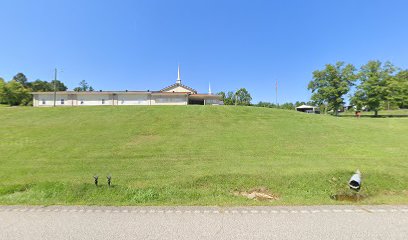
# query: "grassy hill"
[196,155]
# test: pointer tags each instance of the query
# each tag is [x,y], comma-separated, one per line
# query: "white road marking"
[372,209]
[378,210]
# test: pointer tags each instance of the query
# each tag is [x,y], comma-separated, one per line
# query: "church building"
[175,94]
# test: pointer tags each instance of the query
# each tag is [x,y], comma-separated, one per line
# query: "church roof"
[178,85]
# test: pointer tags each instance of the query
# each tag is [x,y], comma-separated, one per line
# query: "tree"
[2,90]
[397,89]
[228,98]
[373,88]
[83,87]
[266,104]
[40,86]
[21,78]
[287,106]
[297,103]
[60,86]
[243,97]
[331,84]
[16,94]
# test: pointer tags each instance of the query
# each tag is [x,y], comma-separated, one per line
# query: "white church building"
[176,94]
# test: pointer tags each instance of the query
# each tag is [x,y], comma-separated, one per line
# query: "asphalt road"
[316,222]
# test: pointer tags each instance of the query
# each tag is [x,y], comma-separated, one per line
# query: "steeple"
[178,75]
[209,89]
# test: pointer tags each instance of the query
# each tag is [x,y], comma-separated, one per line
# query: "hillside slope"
[196,155]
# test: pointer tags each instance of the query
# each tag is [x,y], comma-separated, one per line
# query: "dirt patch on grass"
[259,194]
[350,197]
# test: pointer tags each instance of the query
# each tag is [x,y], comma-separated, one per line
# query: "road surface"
[314,222]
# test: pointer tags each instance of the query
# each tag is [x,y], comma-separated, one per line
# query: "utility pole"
[55,86]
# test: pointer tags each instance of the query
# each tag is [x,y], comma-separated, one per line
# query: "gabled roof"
[178,85]
[306,106]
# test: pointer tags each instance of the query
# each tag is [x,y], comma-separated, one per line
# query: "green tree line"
[240,97]
[376,86]
[16,92]
[243,98]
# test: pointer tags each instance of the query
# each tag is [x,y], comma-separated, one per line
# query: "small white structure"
[308,109]
[176,94]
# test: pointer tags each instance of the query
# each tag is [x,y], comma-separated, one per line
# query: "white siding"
[133,99]
[169,100]
[94,99]
[48,100]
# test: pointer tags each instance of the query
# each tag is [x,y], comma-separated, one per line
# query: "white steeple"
[178,75]
[209,89]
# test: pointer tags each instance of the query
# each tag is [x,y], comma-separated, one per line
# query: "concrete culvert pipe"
[355,181]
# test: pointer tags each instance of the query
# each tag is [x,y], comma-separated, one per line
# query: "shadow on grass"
[373,116]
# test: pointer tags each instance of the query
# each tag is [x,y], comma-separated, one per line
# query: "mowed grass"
[401,112]
[196,155]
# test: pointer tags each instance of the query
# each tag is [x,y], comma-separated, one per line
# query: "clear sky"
[136,45]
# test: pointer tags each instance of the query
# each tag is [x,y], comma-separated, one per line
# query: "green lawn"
[381,112]
[196,155]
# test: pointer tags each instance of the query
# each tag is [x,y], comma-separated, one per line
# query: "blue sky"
[136,45]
